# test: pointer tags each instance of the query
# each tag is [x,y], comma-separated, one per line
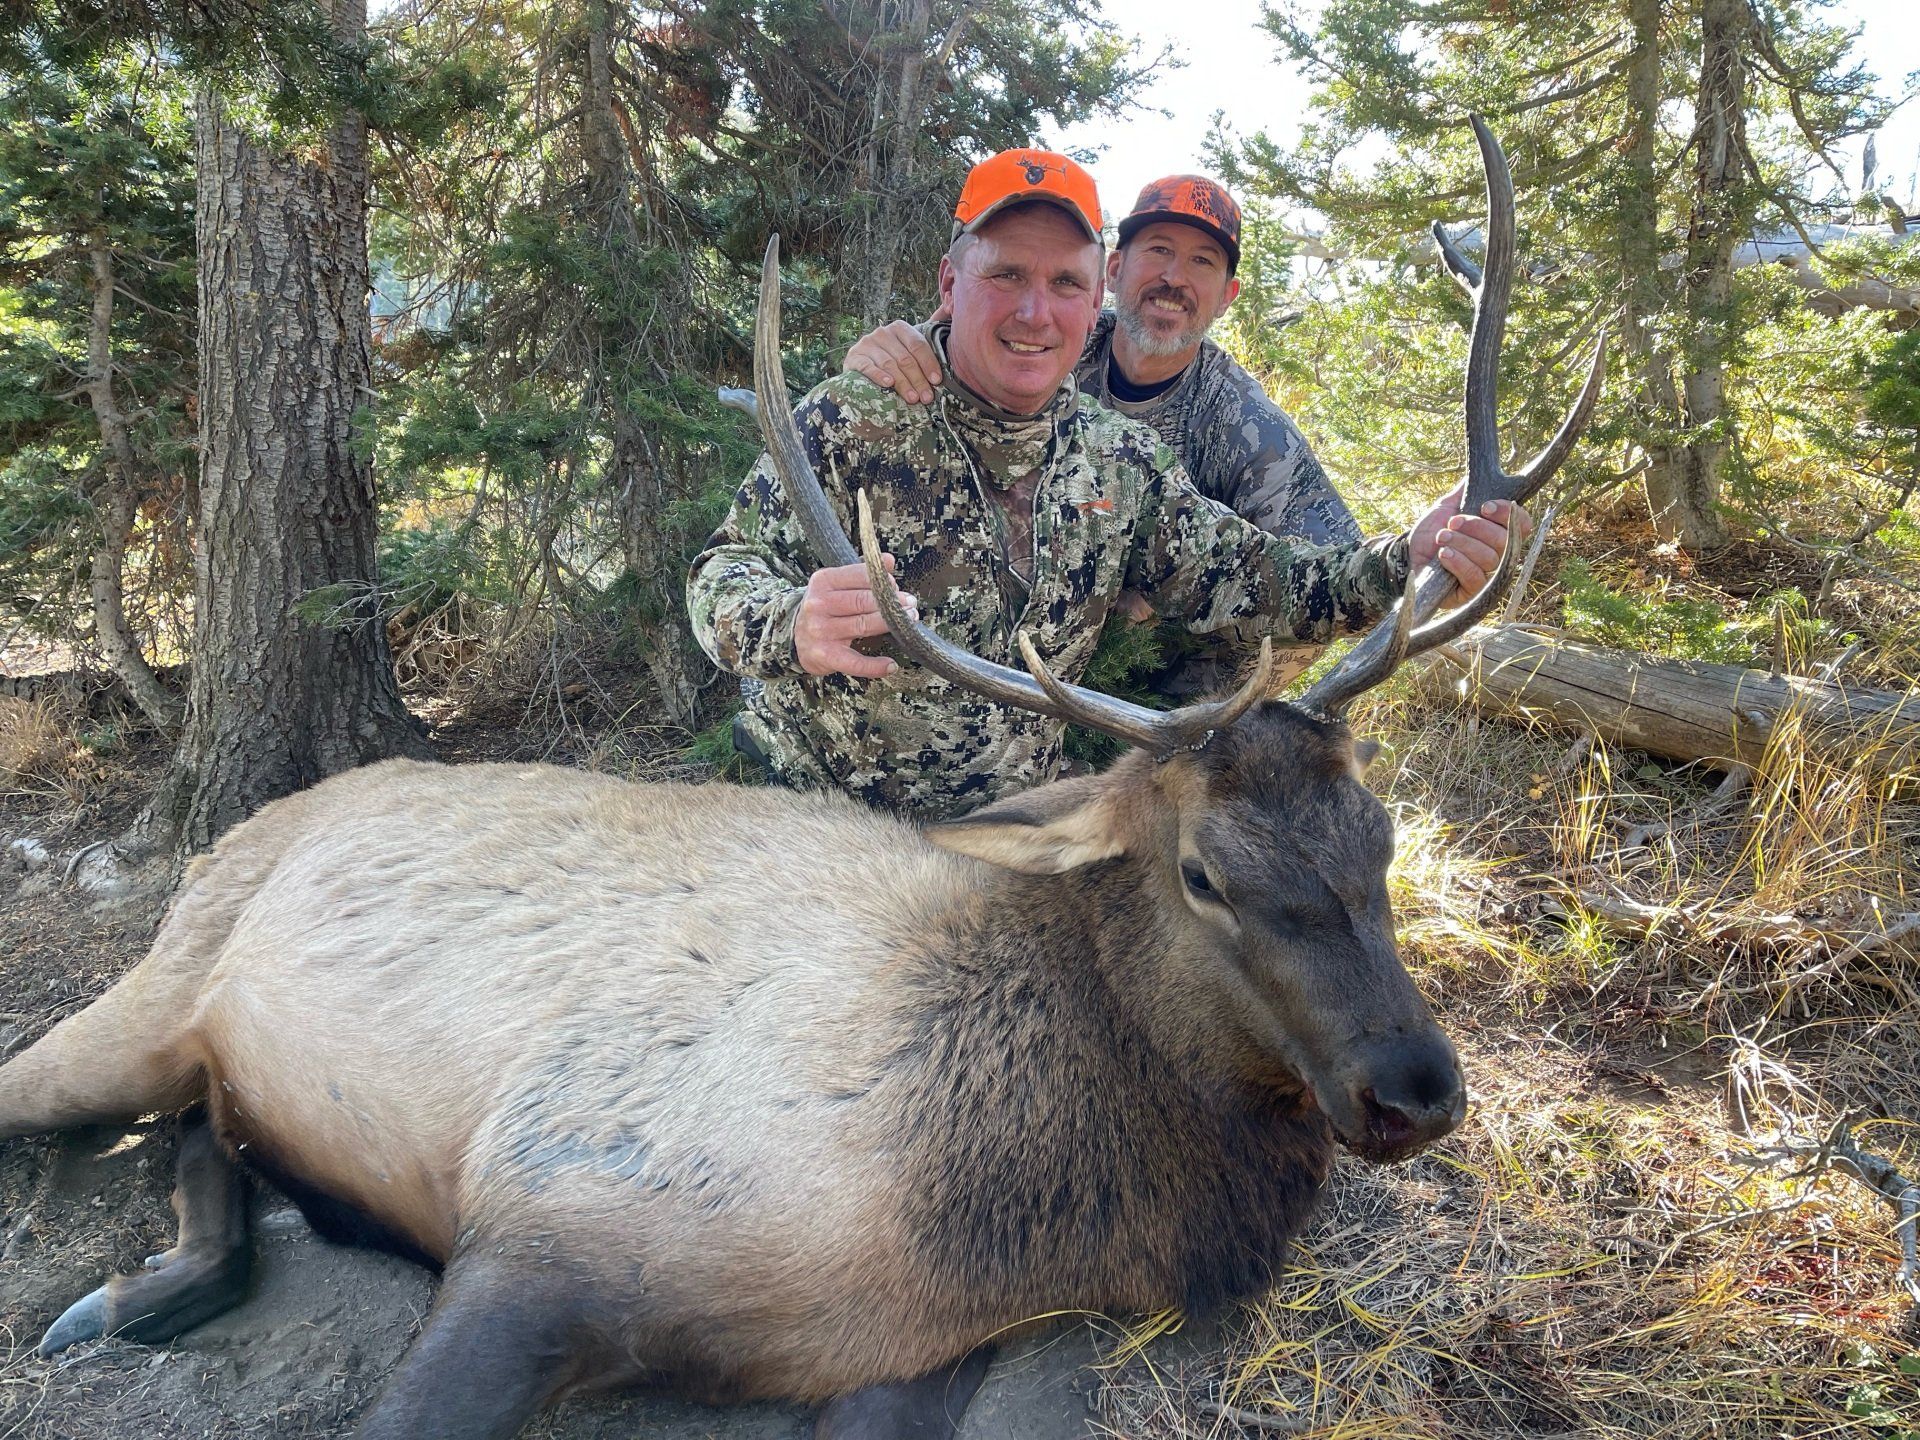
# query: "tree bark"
[292,678]
[1686,505]
[1680,709]
[634,475]
[115,501]
[893,142]
[1641,253]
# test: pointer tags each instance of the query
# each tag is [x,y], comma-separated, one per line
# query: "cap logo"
[1035,173]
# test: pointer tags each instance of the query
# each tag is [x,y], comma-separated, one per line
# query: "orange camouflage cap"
[1016,177]
[1188,200]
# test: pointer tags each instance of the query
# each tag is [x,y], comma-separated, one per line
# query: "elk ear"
[1365,752]
[1043,832]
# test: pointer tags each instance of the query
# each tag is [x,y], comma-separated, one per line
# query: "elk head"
[1262,855]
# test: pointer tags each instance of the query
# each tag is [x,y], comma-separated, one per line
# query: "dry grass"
[1597,1252]
[33,748]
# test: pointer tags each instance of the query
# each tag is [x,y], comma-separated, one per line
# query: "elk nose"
[1412,1104]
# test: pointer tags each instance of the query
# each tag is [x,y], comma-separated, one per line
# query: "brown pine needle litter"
[1687,1008]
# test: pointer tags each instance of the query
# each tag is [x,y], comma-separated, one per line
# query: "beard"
[1149,337]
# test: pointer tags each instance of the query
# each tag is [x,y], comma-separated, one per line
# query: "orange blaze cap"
[1015,177]
[1189,200]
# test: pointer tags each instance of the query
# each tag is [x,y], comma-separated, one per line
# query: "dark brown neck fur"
[1062,1151]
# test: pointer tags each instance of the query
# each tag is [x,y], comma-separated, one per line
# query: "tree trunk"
[1681,709]
[896,129]
[1687,508]
[1641,252]
[115,502]
[292,678]
[634,471]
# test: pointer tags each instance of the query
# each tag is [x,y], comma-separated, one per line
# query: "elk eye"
[1195,875]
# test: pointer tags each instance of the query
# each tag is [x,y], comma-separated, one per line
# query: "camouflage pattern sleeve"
[1272,476]
[744,589]
[1198,562]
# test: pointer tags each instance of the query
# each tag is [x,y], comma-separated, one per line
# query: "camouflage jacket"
[1236,444]
[1112,510]
[1242,450]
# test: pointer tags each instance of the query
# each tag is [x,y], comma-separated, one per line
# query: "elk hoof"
[85,1319]
[158,1261]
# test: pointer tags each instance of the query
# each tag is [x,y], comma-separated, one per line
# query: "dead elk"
[750,1093]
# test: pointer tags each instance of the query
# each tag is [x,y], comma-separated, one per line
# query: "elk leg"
[497,1347]
[925,1409]
[204,1274]
[116,1060]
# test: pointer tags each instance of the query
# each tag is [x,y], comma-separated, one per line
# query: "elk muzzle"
[1399,1093]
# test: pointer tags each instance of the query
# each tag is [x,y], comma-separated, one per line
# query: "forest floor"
[1610,1247]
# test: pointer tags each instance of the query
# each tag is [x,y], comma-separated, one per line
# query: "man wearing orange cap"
[1172,276]
[1012,503]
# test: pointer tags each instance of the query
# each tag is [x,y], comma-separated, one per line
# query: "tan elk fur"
[796,1096]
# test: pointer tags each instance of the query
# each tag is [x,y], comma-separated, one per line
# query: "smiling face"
[1025,292]
[1170,282]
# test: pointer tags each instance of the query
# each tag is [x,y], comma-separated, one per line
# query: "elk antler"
[1403,634]
[1161,732]
[810,505]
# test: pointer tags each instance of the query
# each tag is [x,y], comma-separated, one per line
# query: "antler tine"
[1160,731]
[1537,471]
[782,436]
[1369,662]
[1485,479]
[1218,714]
[1462,269]
[1134,724]
[997,682]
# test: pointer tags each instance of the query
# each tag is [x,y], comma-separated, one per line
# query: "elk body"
[750,1093]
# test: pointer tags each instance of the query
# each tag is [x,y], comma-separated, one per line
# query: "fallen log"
[1678,709]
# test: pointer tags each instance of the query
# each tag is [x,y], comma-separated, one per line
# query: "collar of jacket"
[1008,447]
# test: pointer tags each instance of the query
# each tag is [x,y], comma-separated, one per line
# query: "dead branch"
[1254,1419]
[1734,785]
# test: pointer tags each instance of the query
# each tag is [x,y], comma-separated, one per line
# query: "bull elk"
[758,1094]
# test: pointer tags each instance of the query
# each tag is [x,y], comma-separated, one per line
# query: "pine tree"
[1647,140]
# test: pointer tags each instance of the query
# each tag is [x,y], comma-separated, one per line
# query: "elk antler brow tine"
[811,508]
[925,646]
[1075,704]
[1134,724]
[1218,714]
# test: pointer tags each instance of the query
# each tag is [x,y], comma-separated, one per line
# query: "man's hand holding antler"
[1468,547]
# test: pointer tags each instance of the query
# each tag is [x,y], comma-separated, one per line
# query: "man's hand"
[838,609]
[897,357]
[1469,546]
